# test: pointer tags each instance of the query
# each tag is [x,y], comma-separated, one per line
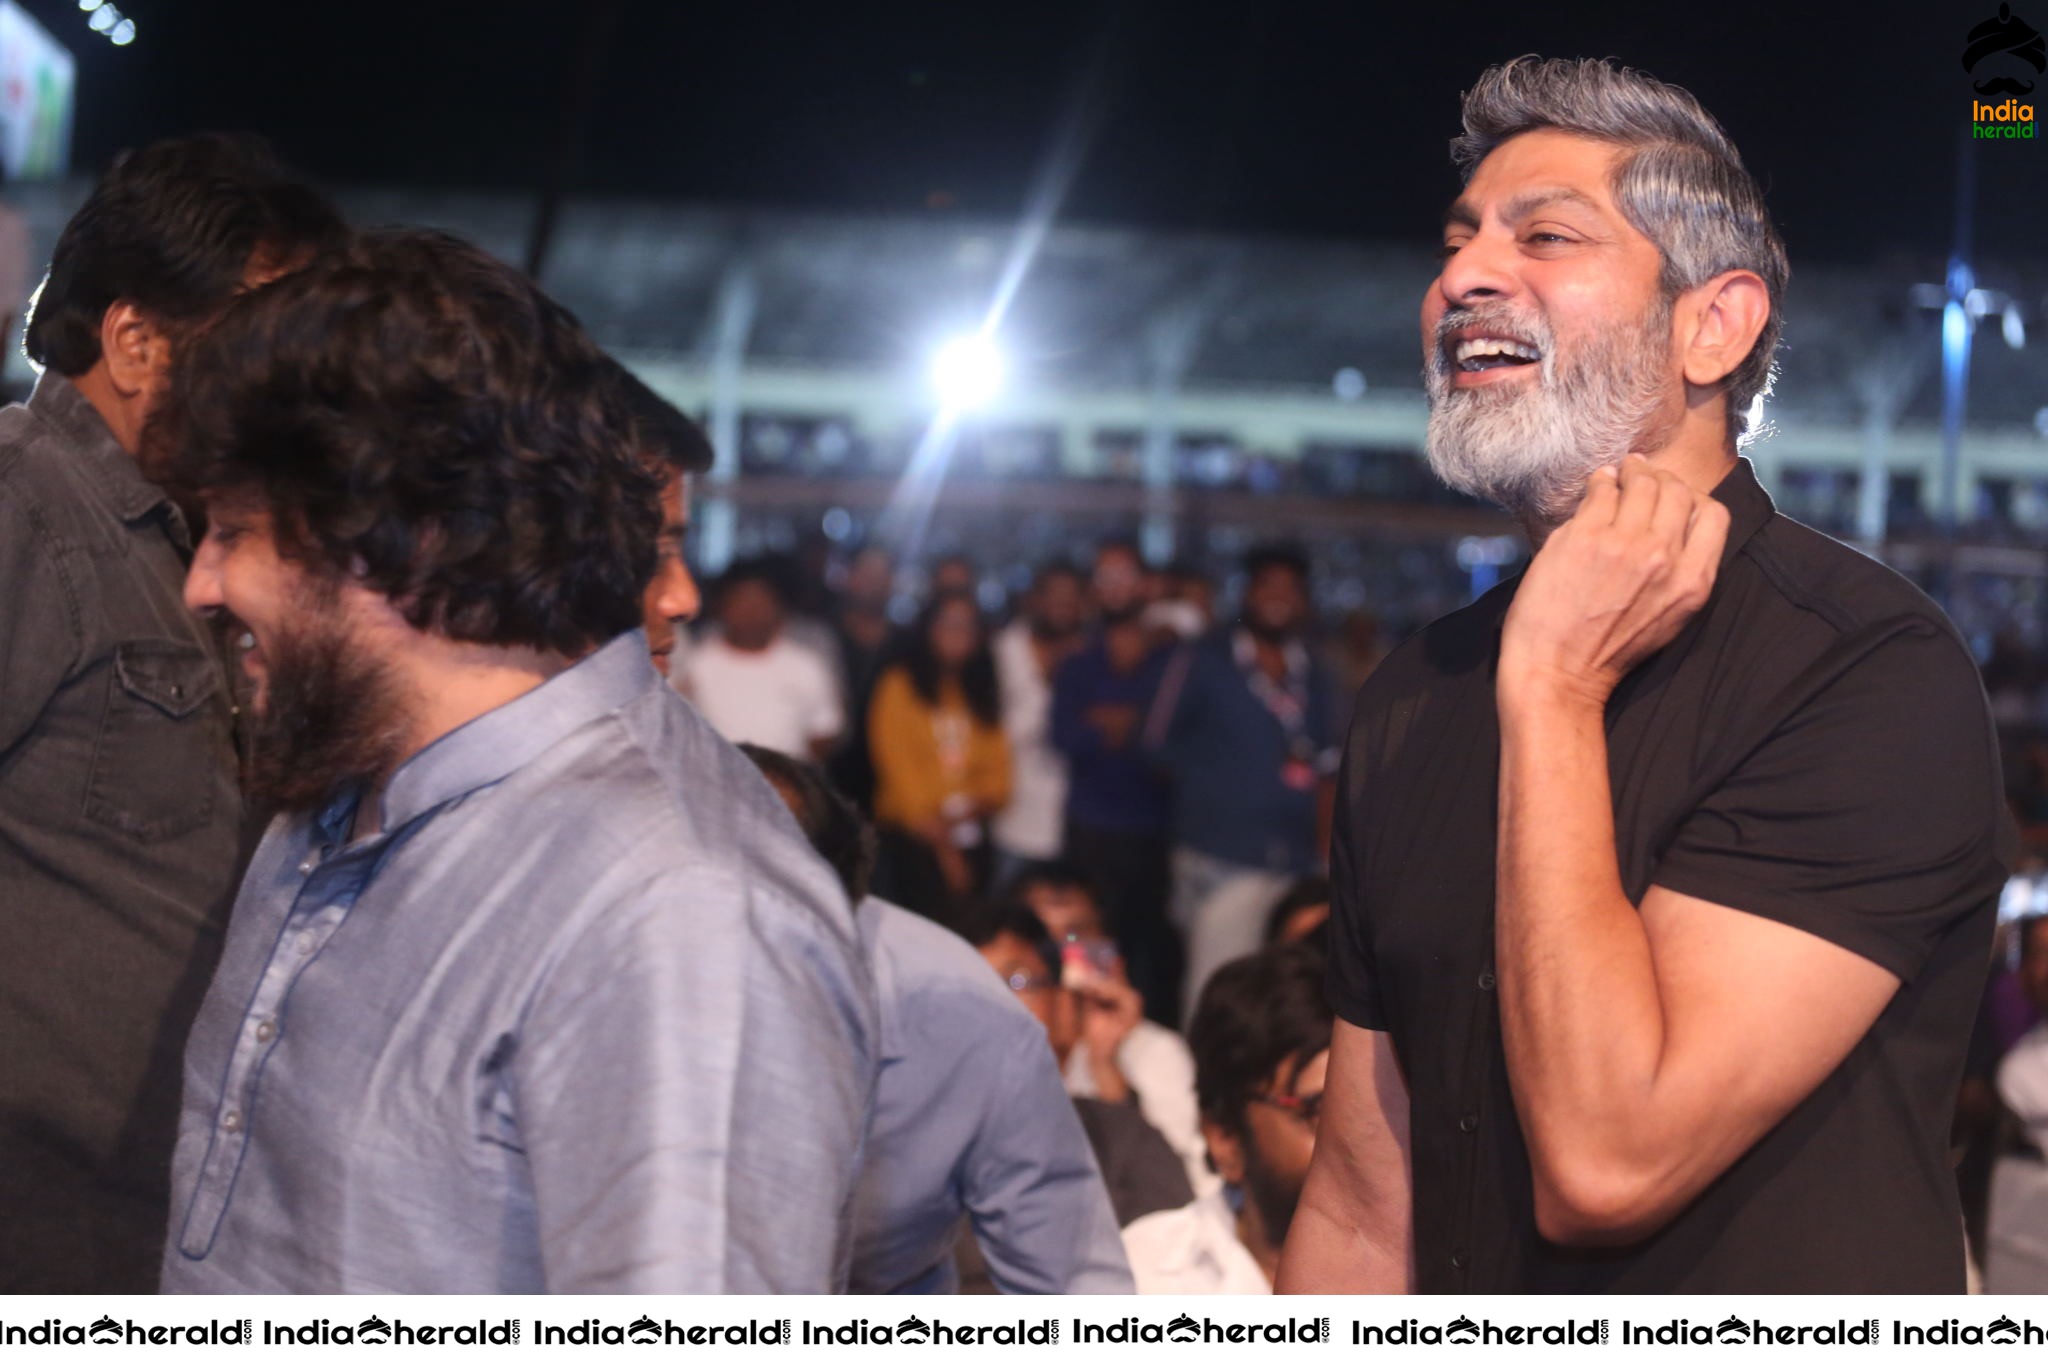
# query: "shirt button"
[1469,1124]
[306,868]
[266,1030]
[307,941]
[1459,1260]
[231,1122]
[1486,979]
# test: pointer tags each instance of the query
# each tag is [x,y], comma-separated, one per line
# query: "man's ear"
[1226,1152]
[134,347]
[1721,321]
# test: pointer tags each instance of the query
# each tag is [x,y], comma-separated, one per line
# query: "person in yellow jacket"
[942,763]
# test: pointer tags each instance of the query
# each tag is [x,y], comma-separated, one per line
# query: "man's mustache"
[2005,85]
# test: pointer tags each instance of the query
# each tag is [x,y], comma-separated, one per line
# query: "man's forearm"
[1353,1232]
[1329,1253]
[1580,1011]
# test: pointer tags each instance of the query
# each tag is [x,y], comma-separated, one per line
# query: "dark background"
[1318,119]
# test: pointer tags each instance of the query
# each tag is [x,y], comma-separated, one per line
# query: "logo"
[105,1332]
[1186,1330]
[1732,1329]
[2003,1331]
[373,1331]
[1464,1331]
[644,1332]
[915,1331]
[2004,55]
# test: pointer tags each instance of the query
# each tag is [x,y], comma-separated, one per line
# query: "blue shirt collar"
[505,739]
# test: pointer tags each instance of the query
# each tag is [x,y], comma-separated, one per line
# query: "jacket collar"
[112,471]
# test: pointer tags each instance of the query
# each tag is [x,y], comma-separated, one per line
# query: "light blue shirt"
[586,1017]
[972,1122]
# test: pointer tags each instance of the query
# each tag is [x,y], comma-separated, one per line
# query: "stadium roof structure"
[1105,308]
[1097,306]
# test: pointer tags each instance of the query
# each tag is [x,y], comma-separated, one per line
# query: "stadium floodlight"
[103,18]
[123,34]
[968,372]
[90,5]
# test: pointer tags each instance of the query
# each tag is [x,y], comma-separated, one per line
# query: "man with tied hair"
[531,987]
[1664,874]
[119,817]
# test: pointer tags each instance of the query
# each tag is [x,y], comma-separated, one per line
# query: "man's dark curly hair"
[419,416]
[173,229]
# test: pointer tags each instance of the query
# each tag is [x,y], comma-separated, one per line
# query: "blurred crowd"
[1117,787]
[1116,723]
[1078,781]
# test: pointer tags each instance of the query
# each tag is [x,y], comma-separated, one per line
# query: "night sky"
[1318,119]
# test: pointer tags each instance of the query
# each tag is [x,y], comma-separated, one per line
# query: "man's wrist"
[1527,688]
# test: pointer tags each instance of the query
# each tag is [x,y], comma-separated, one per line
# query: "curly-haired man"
[532,986]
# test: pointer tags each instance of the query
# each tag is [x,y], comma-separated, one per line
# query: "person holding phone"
[1151,1060]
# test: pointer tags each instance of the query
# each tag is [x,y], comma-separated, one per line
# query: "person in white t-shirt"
[752,682]
[1027,652]
[1261,1040]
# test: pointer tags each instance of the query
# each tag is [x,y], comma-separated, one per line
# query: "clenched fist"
[1612,586]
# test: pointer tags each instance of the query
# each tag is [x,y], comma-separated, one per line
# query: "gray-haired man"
[1664,874]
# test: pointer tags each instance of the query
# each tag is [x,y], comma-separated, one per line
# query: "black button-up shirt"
[118,837]
[1814,748]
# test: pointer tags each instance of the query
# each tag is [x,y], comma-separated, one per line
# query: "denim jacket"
[119,825]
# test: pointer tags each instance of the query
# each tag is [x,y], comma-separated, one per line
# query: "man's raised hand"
[1613,585]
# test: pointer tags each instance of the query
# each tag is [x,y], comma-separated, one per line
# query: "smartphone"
[1083,960]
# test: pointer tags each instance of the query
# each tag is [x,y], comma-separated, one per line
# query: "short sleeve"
[1871,817]
[1353,977]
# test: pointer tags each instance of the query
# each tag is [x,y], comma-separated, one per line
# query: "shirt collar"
[503,740]
[112,470]
[1749,507]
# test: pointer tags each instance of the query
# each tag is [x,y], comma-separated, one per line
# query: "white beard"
[1530,452]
